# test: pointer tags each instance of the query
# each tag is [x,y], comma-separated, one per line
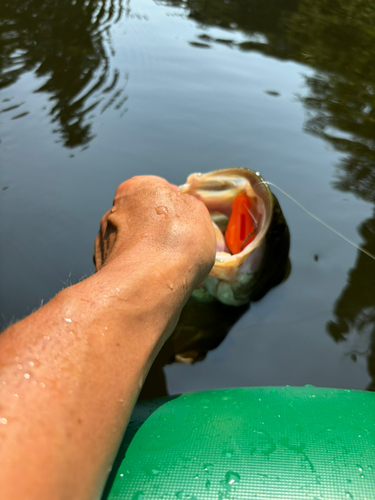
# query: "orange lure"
[240,230]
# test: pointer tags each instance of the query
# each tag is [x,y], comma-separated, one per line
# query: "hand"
[150,220]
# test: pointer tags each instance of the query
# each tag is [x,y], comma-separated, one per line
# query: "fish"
[259,260]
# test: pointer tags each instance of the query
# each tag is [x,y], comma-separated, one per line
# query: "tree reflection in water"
[63,41]
[355,309]
[336,38]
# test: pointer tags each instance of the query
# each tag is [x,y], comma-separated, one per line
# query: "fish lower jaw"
[227,292]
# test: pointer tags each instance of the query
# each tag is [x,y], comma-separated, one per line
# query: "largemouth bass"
[238,277]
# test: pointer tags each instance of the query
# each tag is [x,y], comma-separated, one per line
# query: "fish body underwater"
[260,260]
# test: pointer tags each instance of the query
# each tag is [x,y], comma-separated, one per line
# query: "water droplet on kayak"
[3,421]
[348,495]
[227,453]
[139,495]
[232,477]
[26,375]
[208,484]
[152,471]
[179,494]
[162,211]
[208,467]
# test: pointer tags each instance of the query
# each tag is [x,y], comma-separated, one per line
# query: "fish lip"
[237,179]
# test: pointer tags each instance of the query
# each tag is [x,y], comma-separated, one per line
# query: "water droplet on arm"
[162,211]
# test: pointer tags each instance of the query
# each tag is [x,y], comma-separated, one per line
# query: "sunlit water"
[169,90]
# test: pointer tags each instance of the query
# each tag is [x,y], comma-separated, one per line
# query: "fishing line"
[320,221]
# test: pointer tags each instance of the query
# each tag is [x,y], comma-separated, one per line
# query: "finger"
[103,223]
[98,256]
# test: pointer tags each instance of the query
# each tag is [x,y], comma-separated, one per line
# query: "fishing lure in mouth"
[240,230]
[252,237]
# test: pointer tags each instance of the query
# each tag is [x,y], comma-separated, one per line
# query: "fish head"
[236,279]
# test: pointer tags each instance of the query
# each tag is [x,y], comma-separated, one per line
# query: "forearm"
[79,363]
[70,373]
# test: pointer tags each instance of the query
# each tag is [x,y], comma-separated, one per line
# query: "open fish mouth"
[252,239]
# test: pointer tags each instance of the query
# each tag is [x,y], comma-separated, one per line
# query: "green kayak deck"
[249,443]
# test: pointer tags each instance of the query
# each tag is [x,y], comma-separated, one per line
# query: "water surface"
[94,92]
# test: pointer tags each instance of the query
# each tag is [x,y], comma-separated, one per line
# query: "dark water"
[95,92]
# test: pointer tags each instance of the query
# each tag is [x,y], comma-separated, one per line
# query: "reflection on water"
[202,327]
[67,43]
[336,38]
[355,309]
[262,21]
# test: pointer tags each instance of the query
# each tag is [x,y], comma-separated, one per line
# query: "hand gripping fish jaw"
[252,238]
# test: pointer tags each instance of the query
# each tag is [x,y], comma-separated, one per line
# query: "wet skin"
[71,372]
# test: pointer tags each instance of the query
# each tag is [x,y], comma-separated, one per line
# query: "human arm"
[71,372]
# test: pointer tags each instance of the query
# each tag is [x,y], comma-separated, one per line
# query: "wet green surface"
[269,443]
[95,92]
